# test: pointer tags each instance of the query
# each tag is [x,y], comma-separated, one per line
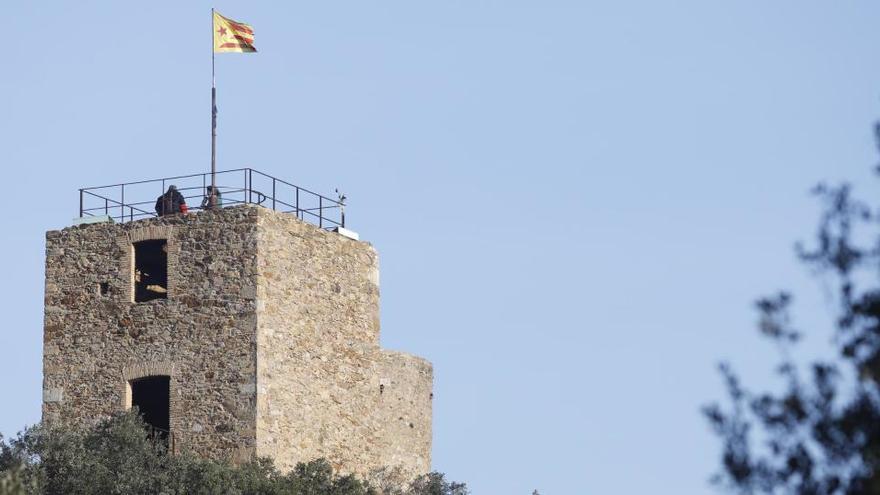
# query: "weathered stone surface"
[270,335]
[319,361]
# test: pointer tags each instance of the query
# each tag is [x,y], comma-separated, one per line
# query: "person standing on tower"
[206,202]
[171,202]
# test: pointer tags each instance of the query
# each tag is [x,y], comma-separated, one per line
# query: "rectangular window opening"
[150,270]
[104,288]
[151,395]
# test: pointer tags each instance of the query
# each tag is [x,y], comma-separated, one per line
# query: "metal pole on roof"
[212,201]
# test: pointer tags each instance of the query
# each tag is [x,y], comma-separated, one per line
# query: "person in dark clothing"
[206,202]
[171,202]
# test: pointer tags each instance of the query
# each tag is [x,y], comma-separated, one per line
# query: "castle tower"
[241,331]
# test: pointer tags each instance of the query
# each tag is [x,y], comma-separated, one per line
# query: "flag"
[232,36]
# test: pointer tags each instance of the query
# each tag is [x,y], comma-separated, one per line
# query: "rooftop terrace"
[136,200]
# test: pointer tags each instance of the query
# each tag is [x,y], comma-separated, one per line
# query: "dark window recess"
[150,270]
[151,395]
[104,288]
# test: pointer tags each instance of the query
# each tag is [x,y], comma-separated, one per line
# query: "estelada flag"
[232,36]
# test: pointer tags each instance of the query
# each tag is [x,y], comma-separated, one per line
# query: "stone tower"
[242,331]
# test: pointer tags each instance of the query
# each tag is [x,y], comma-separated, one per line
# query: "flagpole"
[212,200]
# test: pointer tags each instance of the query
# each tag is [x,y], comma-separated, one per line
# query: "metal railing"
[135,200]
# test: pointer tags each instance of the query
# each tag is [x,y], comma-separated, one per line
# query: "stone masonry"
[269,334]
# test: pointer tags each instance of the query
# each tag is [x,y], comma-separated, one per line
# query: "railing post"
[160,194]
[297,202]
[321,211]
[273,193]
[106,207]
[80,203]
[122,205]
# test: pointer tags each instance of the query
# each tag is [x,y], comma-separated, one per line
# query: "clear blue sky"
[575,203]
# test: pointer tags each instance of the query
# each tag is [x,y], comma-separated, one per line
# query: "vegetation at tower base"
[117,457]
[821,434]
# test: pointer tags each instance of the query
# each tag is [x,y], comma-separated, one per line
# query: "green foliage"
[118,457]
[821,434]
[12,483]
[435,484]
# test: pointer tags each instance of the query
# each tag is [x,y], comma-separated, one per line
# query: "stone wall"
[270,334]
[202,335]
[319,366]
[403,412]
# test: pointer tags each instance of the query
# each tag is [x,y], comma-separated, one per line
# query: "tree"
[118,457]
[821,435]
